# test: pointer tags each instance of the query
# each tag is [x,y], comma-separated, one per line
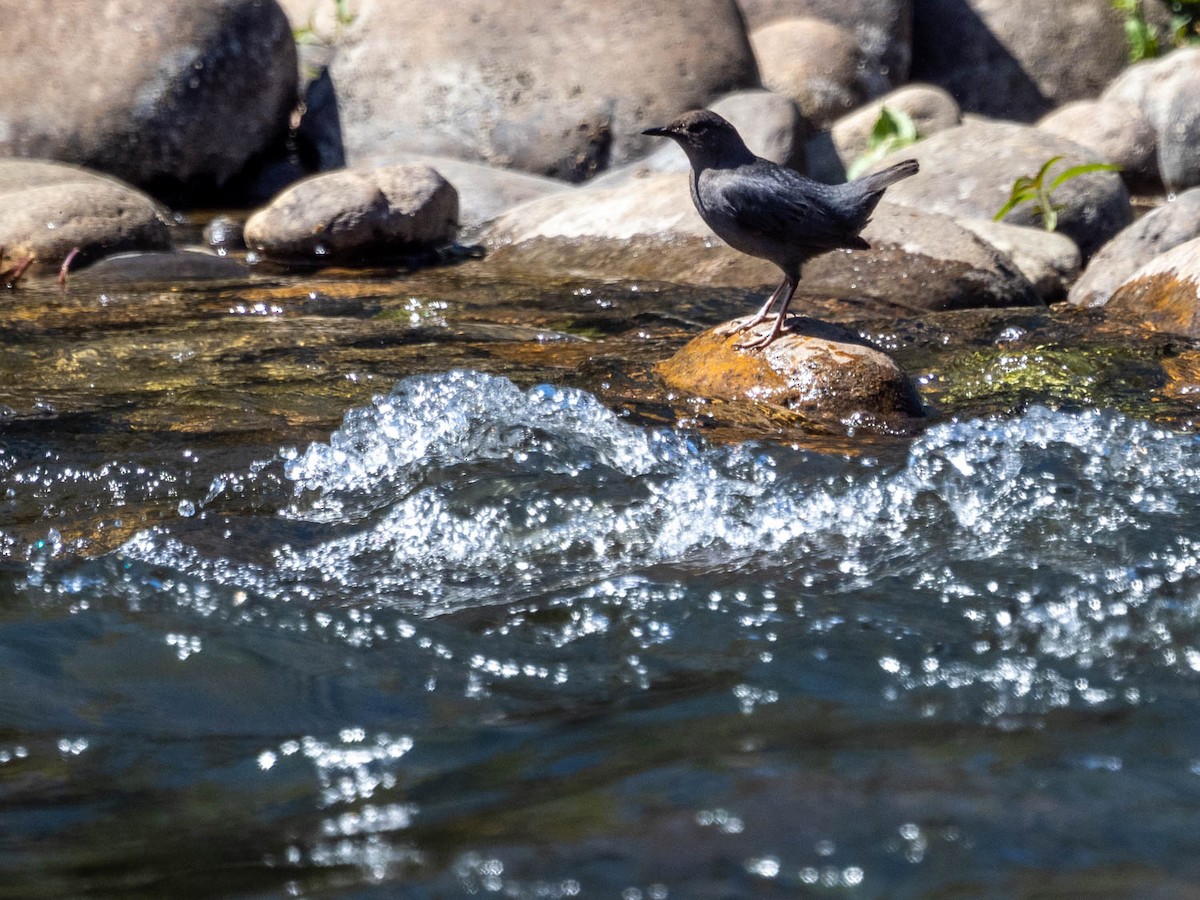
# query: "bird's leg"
[790,285]
[766,308]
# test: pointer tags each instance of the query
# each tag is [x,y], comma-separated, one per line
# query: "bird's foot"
[748,324]
[761,342]
[758,344]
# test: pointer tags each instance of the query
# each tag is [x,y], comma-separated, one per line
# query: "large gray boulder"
[553,87]
[647,229]
[1167,91]
[173,98]
[1017,59]
[883,29]
[48,210]
[969,171]
[1153,234]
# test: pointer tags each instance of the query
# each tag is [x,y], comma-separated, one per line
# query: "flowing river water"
[423,586]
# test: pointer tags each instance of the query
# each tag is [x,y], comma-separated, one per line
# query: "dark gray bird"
[769,211]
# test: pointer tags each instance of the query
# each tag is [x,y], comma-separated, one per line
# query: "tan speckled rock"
[552,87]
[48,209]
[357,216]
[817,64]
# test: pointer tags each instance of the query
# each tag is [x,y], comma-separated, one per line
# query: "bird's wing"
[769,199]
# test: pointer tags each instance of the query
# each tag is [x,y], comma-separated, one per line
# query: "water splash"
[1011,566]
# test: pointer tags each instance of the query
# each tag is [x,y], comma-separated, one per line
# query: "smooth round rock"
[47,210]
[815,63]
[1049,260]
[1167,91]
[1116,131]
[484,192]
[883,29]
[354,216]
[832,152]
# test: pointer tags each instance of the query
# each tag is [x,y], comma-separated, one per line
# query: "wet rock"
[1049,260]
[156,94]
[883,29]
[1017,59]
[816,368]
[1116,131]
[968,172]
[554,87]
[48,209]
[647,228]
[1164,294]
[816,63]
[1155,233]
[176,267]
[225,233]
[834,151]
[357,216]
[1167,91]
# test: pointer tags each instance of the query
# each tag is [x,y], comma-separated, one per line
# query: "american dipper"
[769,211]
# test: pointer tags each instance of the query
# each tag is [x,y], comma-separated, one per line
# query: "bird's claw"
[752,345]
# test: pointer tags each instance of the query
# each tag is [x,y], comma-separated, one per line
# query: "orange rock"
[1165,293]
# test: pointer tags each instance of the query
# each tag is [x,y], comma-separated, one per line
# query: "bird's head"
[708,140]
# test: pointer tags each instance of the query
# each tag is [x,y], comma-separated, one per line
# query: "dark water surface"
[270,626]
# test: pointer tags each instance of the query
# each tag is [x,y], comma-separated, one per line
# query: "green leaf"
[1075,171]
[1041,175]
[892,130]
[1008,207]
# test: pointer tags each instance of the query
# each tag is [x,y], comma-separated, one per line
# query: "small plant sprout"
[893,129]
[1038,192]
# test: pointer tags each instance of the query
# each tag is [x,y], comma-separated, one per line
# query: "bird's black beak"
[657,132]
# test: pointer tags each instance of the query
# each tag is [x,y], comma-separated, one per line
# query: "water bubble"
[763,867]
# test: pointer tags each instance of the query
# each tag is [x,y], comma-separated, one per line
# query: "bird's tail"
[877,181]
[864,193]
